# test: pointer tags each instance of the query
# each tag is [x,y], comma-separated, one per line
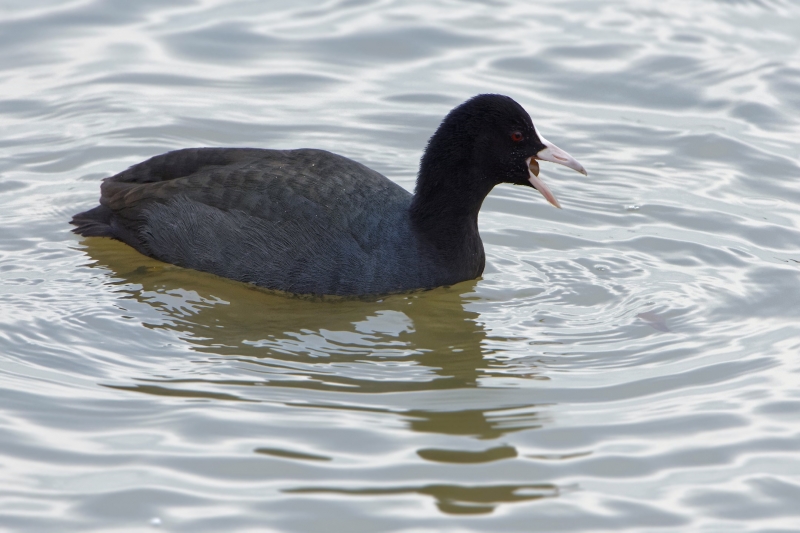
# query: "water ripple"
[625,363]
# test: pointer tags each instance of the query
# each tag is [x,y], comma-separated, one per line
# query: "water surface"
[626,363]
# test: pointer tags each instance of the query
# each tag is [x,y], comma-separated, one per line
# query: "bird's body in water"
[313,222]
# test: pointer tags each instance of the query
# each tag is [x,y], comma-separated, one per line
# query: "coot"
[313,222]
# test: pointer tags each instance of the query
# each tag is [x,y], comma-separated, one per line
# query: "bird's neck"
[447,192]
[445,210]
[435,211]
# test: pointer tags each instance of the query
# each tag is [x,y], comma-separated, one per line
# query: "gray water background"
[627,363]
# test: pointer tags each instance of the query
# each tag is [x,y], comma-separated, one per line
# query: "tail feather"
[94,222]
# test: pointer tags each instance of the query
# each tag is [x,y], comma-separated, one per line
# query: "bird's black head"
[487,140]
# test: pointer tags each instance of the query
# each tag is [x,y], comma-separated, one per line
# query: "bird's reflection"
[413,343]
[402,343]
[429,330]
[456,499]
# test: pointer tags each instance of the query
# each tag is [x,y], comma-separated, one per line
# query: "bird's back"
[302,221]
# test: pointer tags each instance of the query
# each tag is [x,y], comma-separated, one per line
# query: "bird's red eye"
[516,136]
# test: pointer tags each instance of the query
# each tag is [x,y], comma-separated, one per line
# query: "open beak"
[554,154]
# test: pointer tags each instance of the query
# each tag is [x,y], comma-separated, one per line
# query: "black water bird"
[312,222]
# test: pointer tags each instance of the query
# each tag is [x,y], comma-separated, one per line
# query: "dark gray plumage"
[312,222]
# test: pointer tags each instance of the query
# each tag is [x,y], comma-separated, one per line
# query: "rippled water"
[627,363]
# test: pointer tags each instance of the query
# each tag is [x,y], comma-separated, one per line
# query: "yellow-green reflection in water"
[456,499]
[418,341]
[410,343]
